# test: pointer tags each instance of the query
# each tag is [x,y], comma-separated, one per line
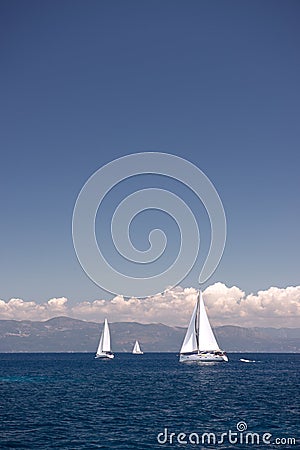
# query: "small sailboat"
[137,349]
[104,348]
[200,343]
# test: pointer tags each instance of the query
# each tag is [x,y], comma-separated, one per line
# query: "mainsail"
[104,343]
[207,340]
[190,343]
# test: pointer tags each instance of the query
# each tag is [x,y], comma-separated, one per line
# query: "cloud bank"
[278,307]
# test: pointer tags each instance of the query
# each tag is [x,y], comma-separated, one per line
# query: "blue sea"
[72,401]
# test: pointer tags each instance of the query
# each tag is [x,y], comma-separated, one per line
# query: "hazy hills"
[63,334]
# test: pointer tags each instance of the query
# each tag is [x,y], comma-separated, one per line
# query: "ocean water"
[72,401]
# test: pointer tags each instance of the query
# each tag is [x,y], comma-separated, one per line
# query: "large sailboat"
[200,343]
[137,349]
[104,348]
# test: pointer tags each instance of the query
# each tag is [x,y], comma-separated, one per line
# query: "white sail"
[207,340]
[190,343]
[199,343]
[99,351]
[199,335]
[104,343]
[137,349]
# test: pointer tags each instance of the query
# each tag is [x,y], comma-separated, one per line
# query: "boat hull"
[203,357]
[105,356]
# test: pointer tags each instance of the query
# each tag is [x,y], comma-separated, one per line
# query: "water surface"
[72,401]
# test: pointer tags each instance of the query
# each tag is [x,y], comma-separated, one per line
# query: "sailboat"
[104,348]
[200,343]
[137,349]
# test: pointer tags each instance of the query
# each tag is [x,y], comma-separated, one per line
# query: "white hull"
[137,353]
[105,356]
[203,357]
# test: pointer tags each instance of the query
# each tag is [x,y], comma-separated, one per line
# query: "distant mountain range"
[63,334]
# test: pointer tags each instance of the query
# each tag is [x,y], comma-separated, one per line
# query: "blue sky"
[83,83]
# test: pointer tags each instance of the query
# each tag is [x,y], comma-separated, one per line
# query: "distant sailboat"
[137,349]
[104,348]
[200,343]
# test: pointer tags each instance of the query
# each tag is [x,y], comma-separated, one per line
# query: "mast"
[197,320]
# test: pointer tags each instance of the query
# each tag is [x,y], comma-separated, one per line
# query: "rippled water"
[72,401]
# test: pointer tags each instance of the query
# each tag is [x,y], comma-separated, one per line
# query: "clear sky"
[83,83]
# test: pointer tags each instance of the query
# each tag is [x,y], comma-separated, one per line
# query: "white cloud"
[279,307]
[57,304]
[19,309]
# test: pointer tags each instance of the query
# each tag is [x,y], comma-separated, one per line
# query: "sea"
[151,401]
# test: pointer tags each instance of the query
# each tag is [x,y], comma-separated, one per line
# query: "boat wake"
[248,360]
